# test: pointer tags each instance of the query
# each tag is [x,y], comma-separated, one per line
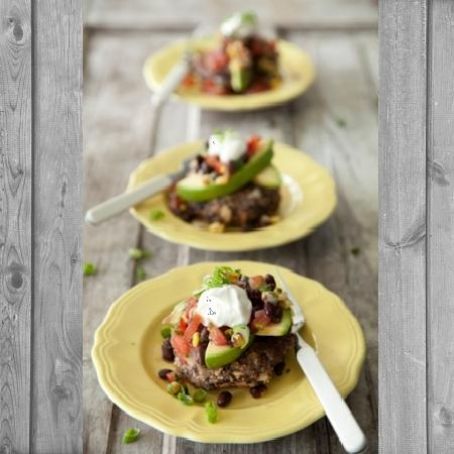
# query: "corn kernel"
[196,339]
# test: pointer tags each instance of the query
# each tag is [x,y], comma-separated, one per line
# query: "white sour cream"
[239,25]
[224,306]
[229,146]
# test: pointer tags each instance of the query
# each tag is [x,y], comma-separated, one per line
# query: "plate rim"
[224,246]
[100,340]
[221,103]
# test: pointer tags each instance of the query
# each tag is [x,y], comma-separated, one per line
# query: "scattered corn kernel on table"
[335,122]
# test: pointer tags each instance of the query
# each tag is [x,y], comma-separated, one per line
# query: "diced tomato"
[171,376]
[217,336]
[208,86]
[189,80]
[260,320]
[191,302]
[192,327]
[180,346]
[256,282]
[216,61]
[215,163]
[253,144]
[258,87]
[182,325]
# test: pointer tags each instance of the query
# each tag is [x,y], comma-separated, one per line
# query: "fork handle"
[344,424]
[118,204]
[171,82]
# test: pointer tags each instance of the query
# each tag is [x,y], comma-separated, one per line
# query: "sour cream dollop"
[228,305]
[240,25]
[229,146]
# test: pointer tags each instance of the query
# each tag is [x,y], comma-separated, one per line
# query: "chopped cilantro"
[156,215]
[131,435]
[89,269]
[138,254]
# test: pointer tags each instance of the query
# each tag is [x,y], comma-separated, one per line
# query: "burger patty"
[254,367]
[250,207]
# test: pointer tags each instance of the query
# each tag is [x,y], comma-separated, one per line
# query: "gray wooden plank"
[336,123]
[117,118]
[163,257]
[184,14]
[15,224]
[108,134]
[57,333]
[440,229]
[402,227]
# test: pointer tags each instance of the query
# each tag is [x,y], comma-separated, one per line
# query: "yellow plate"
[127,358]
[308,198]
[296,68]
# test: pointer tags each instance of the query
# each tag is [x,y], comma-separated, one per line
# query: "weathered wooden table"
[335,122]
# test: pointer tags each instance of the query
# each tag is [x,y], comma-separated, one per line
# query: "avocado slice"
[278,329]
[269,178]
[240,78]
[194,187]
[221,355]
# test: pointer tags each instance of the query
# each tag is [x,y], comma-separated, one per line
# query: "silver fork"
[339,415]
[119,203]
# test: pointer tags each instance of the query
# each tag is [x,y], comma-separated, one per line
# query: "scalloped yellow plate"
[308,197]
[296,67]
[127,358]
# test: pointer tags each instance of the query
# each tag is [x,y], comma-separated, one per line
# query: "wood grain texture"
[290,124]
[402,227]
[165,15]
[336,123]
[57,324]
[118,120]
[15,224]
[440,229]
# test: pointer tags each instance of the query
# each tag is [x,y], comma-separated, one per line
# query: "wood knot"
[18,31]
[16,279]
[445,416]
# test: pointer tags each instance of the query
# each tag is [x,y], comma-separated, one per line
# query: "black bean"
[163,373]
[274,312]
[224,398]
[256,391]
[279,368]
[204,335]
[167,351]
[256,298]
[270,282]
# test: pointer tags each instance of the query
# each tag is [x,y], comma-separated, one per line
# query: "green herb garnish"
[174,388]
[138,254]
[131,435]
[89,269]
[166,331]
[221,275]
[199,395]
[156,215]
[141,275]
[185,398]
[211,411]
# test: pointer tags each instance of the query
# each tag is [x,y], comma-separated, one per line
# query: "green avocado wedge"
[278,329]
[221,355]
[240,79]
[269,178]
[194,187]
